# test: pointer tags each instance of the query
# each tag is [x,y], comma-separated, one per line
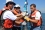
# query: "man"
[9,5]
[35,18]
[10,19]
[16,12]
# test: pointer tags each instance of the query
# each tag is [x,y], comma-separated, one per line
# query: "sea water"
[43,21]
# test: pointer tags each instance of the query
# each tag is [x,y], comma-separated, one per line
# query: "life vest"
[8,23]
[21,20]
[32,16]
[0,12]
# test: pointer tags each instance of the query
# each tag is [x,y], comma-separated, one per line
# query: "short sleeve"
[38,15]
[10,15]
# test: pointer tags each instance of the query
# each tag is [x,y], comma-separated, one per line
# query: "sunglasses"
[17,7]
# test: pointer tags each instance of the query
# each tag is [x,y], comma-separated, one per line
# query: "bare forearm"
[18,18]
[31,20]
[18,15]
[34,21]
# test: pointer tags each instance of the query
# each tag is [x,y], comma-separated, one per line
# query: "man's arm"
[18,18]
[34,21]
[38,15]
[18,15]
[10,15]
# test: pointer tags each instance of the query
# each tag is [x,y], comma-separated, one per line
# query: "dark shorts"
[16,28]
[7,29]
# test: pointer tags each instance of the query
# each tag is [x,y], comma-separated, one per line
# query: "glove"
[27,18]
[23,13]
[23,23]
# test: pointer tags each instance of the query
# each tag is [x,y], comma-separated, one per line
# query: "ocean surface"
[43,23]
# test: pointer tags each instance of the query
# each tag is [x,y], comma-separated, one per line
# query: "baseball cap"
[17,5]
[10,2]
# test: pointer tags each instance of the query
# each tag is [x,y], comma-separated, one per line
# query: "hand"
[27,18]
[23,13]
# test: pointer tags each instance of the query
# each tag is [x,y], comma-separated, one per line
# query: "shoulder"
[8,12]
[38,13]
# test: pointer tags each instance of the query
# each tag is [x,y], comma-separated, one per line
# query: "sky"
[40,4]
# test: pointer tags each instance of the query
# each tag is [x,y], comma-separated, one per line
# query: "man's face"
[32,8]
[17,9]
[11,6]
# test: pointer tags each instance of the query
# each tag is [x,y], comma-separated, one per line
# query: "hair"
[33,5]
[10,2]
